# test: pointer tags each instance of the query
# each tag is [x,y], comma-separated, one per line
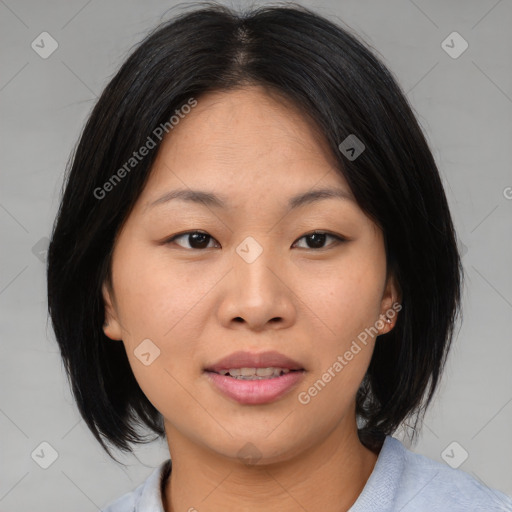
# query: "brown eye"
[316,240]
[195,239]
[199,240]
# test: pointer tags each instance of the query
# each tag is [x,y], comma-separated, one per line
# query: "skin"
[198,305]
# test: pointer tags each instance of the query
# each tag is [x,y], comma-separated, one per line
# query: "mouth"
[250,364]
[255,373]
[255,378]
[255,386]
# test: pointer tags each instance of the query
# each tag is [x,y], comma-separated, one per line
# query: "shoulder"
[426,484]
[405,481]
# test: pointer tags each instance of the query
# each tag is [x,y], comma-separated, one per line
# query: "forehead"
[248,139]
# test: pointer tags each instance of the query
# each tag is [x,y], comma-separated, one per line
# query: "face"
[253,279]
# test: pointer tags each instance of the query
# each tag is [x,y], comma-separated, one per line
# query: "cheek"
[344,303]
[162,304]
[154,295]
[346,297]
[156,307]
[343,345]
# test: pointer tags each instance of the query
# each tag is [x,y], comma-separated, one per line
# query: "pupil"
[194,238]
[318,239]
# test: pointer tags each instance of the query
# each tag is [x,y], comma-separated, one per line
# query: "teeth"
[254,373]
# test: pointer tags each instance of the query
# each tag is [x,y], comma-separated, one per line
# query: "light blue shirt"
[401,481]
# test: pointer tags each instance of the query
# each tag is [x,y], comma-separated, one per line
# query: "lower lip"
[255,392]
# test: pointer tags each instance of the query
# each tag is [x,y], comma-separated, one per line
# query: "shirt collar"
[378,493]
[381,488]
[151,497]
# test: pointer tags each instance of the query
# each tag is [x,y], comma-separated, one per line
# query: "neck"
[328,476]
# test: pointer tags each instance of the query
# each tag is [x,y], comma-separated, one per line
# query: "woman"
[189,291]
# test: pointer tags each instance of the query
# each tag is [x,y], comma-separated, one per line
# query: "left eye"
[317,239]
[199,240]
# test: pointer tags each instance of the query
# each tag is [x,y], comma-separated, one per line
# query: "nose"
[258,292]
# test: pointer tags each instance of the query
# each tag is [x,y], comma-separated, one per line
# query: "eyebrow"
[220,201]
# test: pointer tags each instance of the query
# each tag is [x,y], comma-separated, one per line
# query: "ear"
[390,304]
[112,326]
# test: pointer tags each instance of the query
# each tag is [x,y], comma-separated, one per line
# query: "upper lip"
[243,359]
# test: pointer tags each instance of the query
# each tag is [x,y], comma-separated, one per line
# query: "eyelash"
[338,239]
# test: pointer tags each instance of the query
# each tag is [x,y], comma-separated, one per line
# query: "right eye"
[196,239]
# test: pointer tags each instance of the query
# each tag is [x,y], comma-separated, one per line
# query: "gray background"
[464,105]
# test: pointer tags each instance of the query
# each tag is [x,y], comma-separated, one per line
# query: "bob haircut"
[341,87]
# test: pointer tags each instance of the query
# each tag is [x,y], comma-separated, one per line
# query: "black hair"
[336,81]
